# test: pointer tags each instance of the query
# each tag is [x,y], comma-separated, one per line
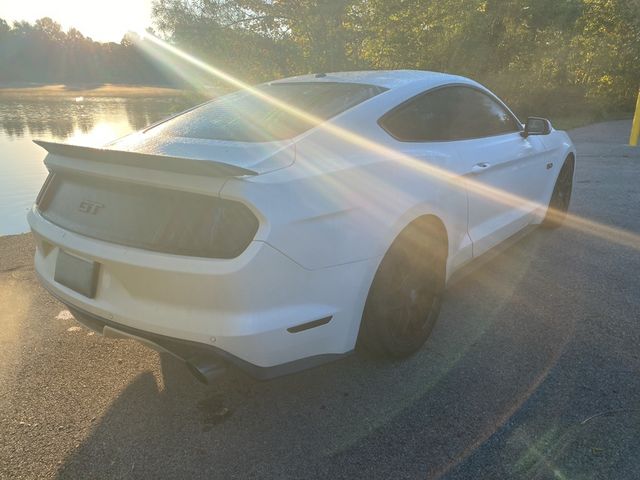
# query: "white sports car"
[277,227]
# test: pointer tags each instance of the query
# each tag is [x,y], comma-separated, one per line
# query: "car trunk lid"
[153,201]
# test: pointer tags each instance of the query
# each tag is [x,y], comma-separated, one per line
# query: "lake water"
[91,121]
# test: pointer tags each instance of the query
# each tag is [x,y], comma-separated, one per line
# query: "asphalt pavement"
[533,371]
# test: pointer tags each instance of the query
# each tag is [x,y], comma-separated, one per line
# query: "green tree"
[606,51]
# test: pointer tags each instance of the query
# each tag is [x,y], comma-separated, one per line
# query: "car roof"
[383,78]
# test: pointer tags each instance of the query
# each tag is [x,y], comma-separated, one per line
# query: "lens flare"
[167,53]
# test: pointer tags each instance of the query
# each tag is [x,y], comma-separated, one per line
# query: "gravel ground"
[533,371]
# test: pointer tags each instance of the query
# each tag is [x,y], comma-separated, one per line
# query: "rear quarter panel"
[342,203]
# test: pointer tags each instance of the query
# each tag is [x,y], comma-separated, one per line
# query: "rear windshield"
[241,116]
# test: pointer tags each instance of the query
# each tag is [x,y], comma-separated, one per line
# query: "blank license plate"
[77,274]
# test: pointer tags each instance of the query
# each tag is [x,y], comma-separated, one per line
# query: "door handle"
[480,167]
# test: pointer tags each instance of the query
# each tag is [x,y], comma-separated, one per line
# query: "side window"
[450,113]
[479,115]
[426,118]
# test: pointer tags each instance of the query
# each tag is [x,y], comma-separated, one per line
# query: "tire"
[404,299]
[561,196]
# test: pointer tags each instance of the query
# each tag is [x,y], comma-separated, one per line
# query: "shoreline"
[89,90]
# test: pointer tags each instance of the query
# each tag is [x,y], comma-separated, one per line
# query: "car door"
[505,173]
[420,127]
[500,172]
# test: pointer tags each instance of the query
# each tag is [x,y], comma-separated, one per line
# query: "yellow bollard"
[635,126]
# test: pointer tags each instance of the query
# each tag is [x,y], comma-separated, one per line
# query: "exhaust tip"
[206,370]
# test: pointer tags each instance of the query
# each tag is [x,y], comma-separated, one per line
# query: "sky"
[103,20]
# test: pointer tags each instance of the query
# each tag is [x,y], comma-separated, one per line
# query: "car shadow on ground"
[359,417]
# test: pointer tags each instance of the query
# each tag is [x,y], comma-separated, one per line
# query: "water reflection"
[91,121]
[59,118]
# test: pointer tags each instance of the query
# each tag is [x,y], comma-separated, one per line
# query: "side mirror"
[536,126]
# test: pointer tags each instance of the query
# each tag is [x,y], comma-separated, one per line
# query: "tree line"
[43,53]
[545,56]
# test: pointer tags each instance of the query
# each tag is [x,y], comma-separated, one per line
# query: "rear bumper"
[243,310]
[187,350]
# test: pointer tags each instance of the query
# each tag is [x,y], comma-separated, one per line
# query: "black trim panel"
[309,325]
[149,218]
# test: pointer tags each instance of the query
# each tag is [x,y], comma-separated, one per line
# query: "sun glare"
[100,134]
[102,21]
[158,49]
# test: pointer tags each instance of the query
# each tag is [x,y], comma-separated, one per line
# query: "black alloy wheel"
[405,297]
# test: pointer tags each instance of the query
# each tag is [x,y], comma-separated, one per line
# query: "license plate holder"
[77,274]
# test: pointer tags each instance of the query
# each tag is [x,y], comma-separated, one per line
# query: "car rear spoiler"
[145,160]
